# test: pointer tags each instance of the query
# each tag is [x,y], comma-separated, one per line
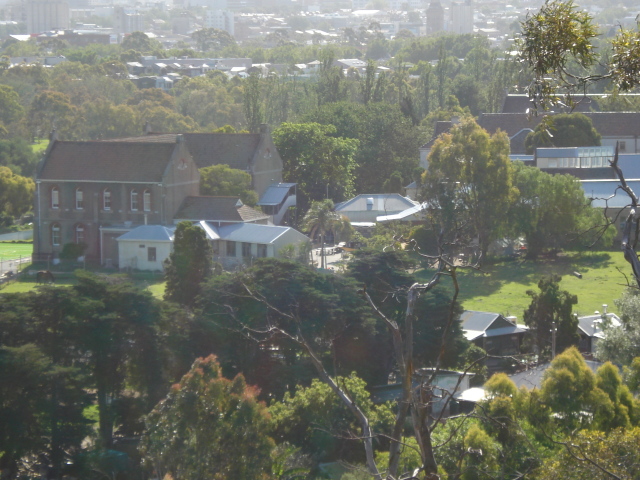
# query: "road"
[7,265]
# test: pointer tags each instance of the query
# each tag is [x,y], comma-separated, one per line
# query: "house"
[278,201]
[93,192]
[146,247]
[446,386]
[496,334]
[366,208]
[592,328]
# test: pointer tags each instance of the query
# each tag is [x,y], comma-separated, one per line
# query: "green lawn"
[40,145]
[502,287]
[11,251]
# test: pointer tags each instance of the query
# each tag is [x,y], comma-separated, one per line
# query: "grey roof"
[383,202]
[253,232]
[275,194]
[533,377]
[487,324]
[591,325]
[415,210]
[156,233]
[605,192]
[221,209]
[107,161]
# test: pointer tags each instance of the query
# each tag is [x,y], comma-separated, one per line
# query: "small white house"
[145,247]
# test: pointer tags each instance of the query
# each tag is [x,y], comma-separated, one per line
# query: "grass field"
[11,251]
[502,287]
[40,145]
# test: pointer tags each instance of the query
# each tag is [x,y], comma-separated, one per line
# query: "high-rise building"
[45,15]
[127,20]
[435,17]
[461,17]
[221,19]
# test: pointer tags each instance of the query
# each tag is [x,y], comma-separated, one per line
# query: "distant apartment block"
[220,19]
[435,17]
[461,17]
[46,15]
[127,20]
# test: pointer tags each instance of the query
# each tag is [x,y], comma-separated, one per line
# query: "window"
[231,249]
[55,234]
[79,233]
[151,254]
[262,250]
[146,201]
[55,198]
[106,199]
[79,199]
[134,200]
[246,249]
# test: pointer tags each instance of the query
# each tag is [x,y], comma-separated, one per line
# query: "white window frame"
[55,198]
[106,199]
[79,199]
[146,201]
[79,233]
[134,204]
[55,234]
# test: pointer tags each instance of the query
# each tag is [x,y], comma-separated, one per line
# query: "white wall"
[132,255]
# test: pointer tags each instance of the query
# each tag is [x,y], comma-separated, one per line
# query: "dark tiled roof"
[233,149]
[223,209]
[520,103]
[107,161]
[608,124]
[441,127]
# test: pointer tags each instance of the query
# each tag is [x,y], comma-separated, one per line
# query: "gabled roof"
[441,127]
[275,194]
[487,324]
[219,209]
[234,149]
[141,162]
[383,202]
[533,377]
[592,325]
[255,233]
[412,213]
[156,233]
[519,103]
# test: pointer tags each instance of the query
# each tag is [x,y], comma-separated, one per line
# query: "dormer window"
[134,200]
[106,199]
[55,198]
[146,201]
[79,199]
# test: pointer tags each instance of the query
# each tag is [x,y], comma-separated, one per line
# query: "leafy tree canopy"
[563,130]
[222,180]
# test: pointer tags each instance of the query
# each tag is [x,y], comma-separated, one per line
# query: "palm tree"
[322,218]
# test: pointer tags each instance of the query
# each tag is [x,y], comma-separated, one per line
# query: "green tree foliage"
[51,110]
[470,179]
[41,407]
[221,180]
[622,345]
[563,130]
[570,389]
[209,427]
[141,42]
[16,193]
[551,212]
[596,455]
[106,120]
[549,308]
[314,158]
[326,309]
[11,112]
[320,219]
[626,408]
[253,109]
[388,141]
[209,39]
[189,265]
[315,419]
[17,154]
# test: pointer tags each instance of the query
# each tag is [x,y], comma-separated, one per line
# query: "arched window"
[79,233]
[55,198]
[106,199]
[146,201]
[79,199]
[134,200]
[55,234]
